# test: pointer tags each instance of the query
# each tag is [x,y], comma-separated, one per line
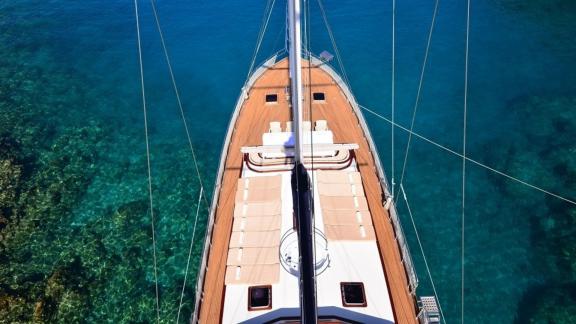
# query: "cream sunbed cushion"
[345,210]
[321,125]
[260,209]
[275,127]
[349,232]
[260,182]
[255,239]
[329,176]
[253,247]
[306,125]
[346,203]
[346,217]
[257,223]
[257,195]
[253,274]
[341,189]
[252,256]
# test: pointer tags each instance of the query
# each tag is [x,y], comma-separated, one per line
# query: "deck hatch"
[318,96]
[259,297]
[353,294]
[271,98]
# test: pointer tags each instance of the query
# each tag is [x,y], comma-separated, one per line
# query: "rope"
[173,79]
[265,20]
[422,251]
[420,82]
[333,41]
[393,99]
[189,254]
[148,161]
[464,154]
[468,159]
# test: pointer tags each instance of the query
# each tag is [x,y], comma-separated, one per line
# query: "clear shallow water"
[75,224]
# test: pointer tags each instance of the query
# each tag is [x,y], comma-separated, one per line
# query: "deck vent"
[259,297]
[318,96]
[353,294]
[271,98]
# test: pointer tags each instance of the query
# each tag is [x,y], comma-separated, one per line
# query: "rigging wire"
[333,41]
[422,251]
[468,159]
[264,25]
[418,93]
[182,115]
[189,254]
[393,95]
[148,161]
[277,40]
[464,156]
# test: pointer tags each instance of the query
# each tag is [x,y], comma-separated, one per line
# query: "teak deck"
[253,120]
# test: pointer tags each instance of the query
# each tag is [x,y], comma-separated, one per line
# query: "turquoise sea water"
[75,241]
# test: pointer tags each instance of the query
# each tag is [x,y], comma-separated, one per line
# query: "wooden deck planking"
[252,122]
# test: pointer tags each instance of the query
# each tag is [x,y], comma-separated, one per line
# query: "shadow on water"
[548,303]
[540,151]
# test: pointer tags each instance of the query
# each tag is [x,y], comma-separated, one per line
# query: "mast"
[295,55]
[301,190]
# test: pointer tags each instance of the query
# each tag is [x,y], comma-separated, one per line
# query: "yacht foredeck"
[253,217]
